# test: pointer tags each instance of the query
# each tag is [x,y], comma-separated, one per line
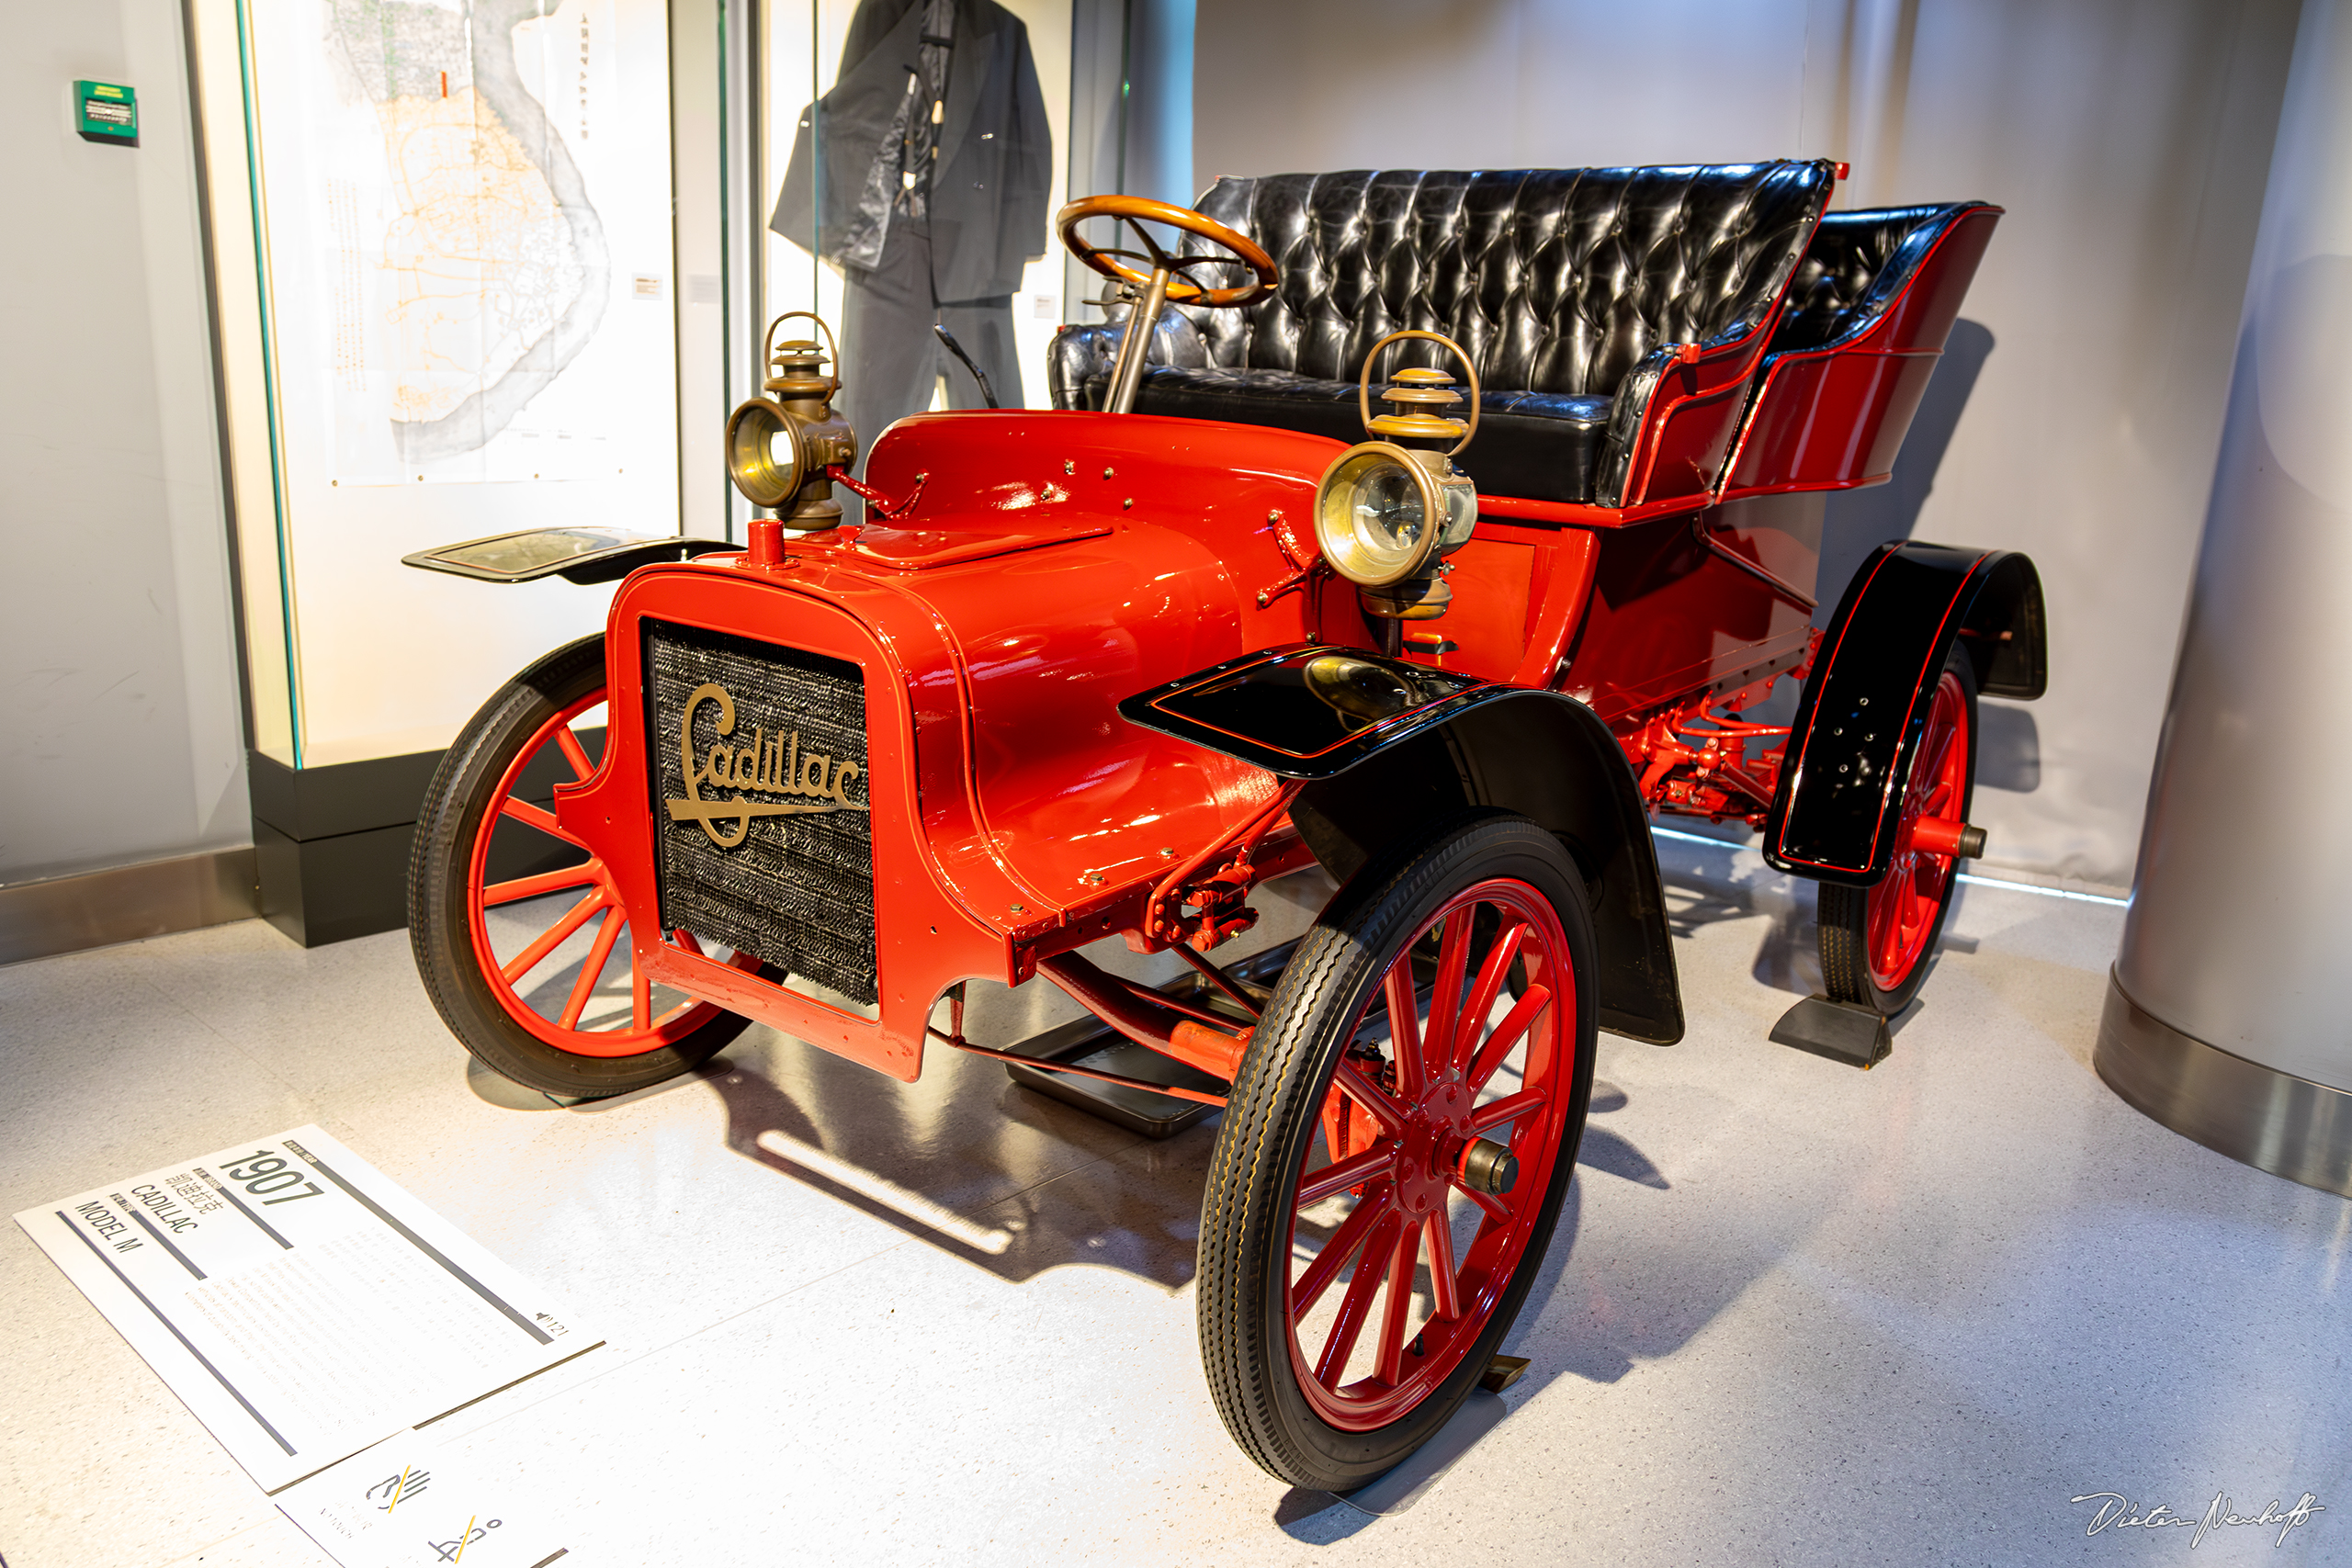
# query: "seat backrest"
[1555,280]
[1855,262]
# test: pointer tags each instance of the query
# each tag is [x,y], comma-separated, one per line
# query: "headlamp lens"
[1385,508]
[763,452]
[1374,516]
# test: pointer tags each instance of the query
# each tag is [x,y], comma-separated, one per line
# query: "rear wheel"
[519,932]
[1876,941]
[1395,1151]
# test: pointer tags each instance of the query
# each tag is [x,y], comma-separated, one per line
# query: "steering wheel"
[1183,289]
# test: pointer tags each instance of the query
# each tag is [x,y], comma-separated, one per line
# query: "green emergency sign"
[108,112]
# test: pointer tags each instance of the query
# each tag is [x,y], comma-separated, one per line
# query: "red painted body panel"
[930,917]
[1833,417]
[1016,814]
[1682,450]
[1076,804]
[1054,563]
[1669,617]
[1695,413]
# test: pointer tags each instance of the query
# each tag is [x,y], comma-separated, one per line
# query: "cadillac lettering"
[1438,593]
[771,764]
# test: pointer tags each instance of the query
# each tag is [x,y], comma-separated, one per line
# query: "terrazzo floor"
[1795,1314]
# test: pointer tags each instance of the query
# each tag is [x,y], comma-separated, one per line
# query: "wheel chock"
[1503,1371]
[1843,1032]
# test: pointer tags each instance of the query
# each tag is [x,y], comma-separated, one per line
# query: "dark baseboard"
[323,890]
[304,803]
[332,843]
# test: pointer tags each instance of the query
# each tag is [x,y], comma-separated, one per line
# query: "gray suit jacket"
[996,152]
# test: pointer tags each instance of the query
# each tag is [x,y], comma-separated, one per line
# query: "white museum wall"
[120,738]
[2128,140]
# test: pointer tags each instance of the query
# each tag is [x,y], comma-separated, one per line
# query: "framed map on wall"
[452,219]
[469,269]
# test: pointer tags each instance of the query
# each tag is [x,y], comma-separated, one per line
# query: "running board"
[1843,1032]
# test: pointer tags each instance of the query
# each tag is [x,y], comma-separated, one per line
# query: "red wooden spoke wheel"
[1394,1153]
[1876,941]
[519,932]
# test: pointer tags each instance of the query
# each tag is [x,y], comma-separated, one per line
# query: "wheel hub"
[1436,1129]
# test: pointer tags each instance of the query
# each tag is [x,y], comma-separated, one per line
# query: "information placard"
[300,1304]
[405,1501]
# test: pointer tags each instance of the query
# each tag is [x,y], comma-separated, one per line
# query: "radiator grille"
[767,848]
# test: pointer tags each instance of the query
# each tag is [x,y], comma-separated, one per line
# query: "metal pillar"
[2227,1016]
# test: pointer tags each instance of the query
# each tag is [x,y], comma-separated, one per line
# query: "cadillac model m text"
[770,764]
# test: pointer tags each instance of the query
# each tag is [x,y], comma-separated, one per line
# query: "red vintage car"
[1100,670]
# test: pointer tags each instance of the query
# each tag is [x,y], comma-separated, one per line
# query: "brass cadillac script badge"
[812,781]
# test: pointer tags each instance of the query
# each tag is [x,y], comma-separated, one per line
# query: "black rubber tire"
[1842,913]
[1275,1103]
[438,916]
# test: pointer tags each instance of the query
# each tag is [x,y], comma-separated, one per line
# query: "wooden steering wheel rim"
[1181,290]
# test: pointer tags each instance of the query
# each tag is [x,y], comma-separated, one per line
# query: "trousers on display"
[894,359]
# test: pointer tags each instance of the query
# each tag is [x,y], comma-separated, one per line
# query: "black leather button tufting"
[1557,282]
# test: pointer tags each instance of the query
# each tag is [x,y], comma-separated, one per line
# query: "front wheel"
[1876,941]
[519,932]
[1395,1150]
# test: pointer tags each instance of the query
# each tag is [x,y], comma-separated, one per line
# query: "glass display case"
[442,263]
[502,266]
[443,259]
[912,152]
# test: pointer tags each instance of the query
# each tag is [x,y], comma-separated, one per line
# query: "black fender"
[1864,707]
[588,553]
[1382,745]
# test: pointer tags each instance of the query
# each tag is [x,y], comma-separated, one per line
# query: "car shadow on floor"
[1709,883]
[1046,1186]
[1788,954]
[1016,1183]
[1009,1180]
[1134,1208]
[1005,1179]
[1692,905]
[1628,1282]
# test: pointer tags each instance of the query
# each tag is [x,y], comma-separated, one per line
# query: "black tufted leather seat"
[1858,262]
[1568,286]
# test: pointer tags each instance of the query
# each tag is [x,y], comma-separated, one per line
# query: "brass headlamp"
[1388,514]
[778,446]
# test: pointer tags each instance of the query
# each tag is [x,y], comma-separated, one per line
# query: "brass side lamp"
[780,446]
[1387,513]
